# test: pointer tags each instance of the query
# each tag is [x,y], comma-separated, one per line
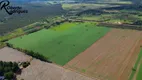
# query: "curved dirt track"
[110,58]
[39,70]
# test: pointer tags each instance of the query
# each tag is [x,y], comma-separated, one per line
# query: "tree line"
[30,53]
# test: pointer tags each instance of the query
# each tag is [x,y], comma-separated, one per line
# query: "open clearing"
[39,70]
[9,54]
[62,43]
[110,58]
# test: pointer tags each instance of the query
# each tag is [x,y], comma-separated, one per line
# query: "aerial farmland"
[95,51]
[85,40]
[112,57]
[61,41]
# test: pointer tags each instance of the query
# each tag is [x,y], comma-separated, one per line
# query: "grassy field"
[62,43]
[139,77]
[138,62]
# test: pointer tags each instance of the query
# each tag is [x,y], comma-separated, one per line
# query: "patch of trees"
[32,30]
[34,54]
[9,45]
[31,53]
[56,23]
[25,64]
[138,22]
[47,27]
[8,69]
[133,69]
[2,44]
[122,26]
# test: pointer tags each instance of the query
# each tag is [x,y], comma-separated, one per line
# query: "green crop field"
[139,77]
[63,42]
[138,68]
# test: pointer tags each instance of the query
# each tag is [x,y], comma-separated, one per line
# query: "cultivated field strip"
[137,67]
[61,43]
[110,58]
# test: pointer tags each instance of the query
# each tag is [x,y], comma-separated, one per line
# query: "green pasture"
[63,42]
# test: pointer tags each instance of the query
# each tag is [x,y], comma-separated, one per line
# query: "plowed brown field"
[110,58]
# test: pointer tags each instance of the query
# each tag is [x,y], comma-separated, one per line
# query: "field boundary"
[124,45]
[93,43]
[136,62]
[79,54]
[79,72]
[135,75]
[133,50]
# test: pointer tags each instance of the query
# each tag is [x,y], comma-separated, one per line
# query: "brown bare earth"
[110,58]
[39,70]
[9,54]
